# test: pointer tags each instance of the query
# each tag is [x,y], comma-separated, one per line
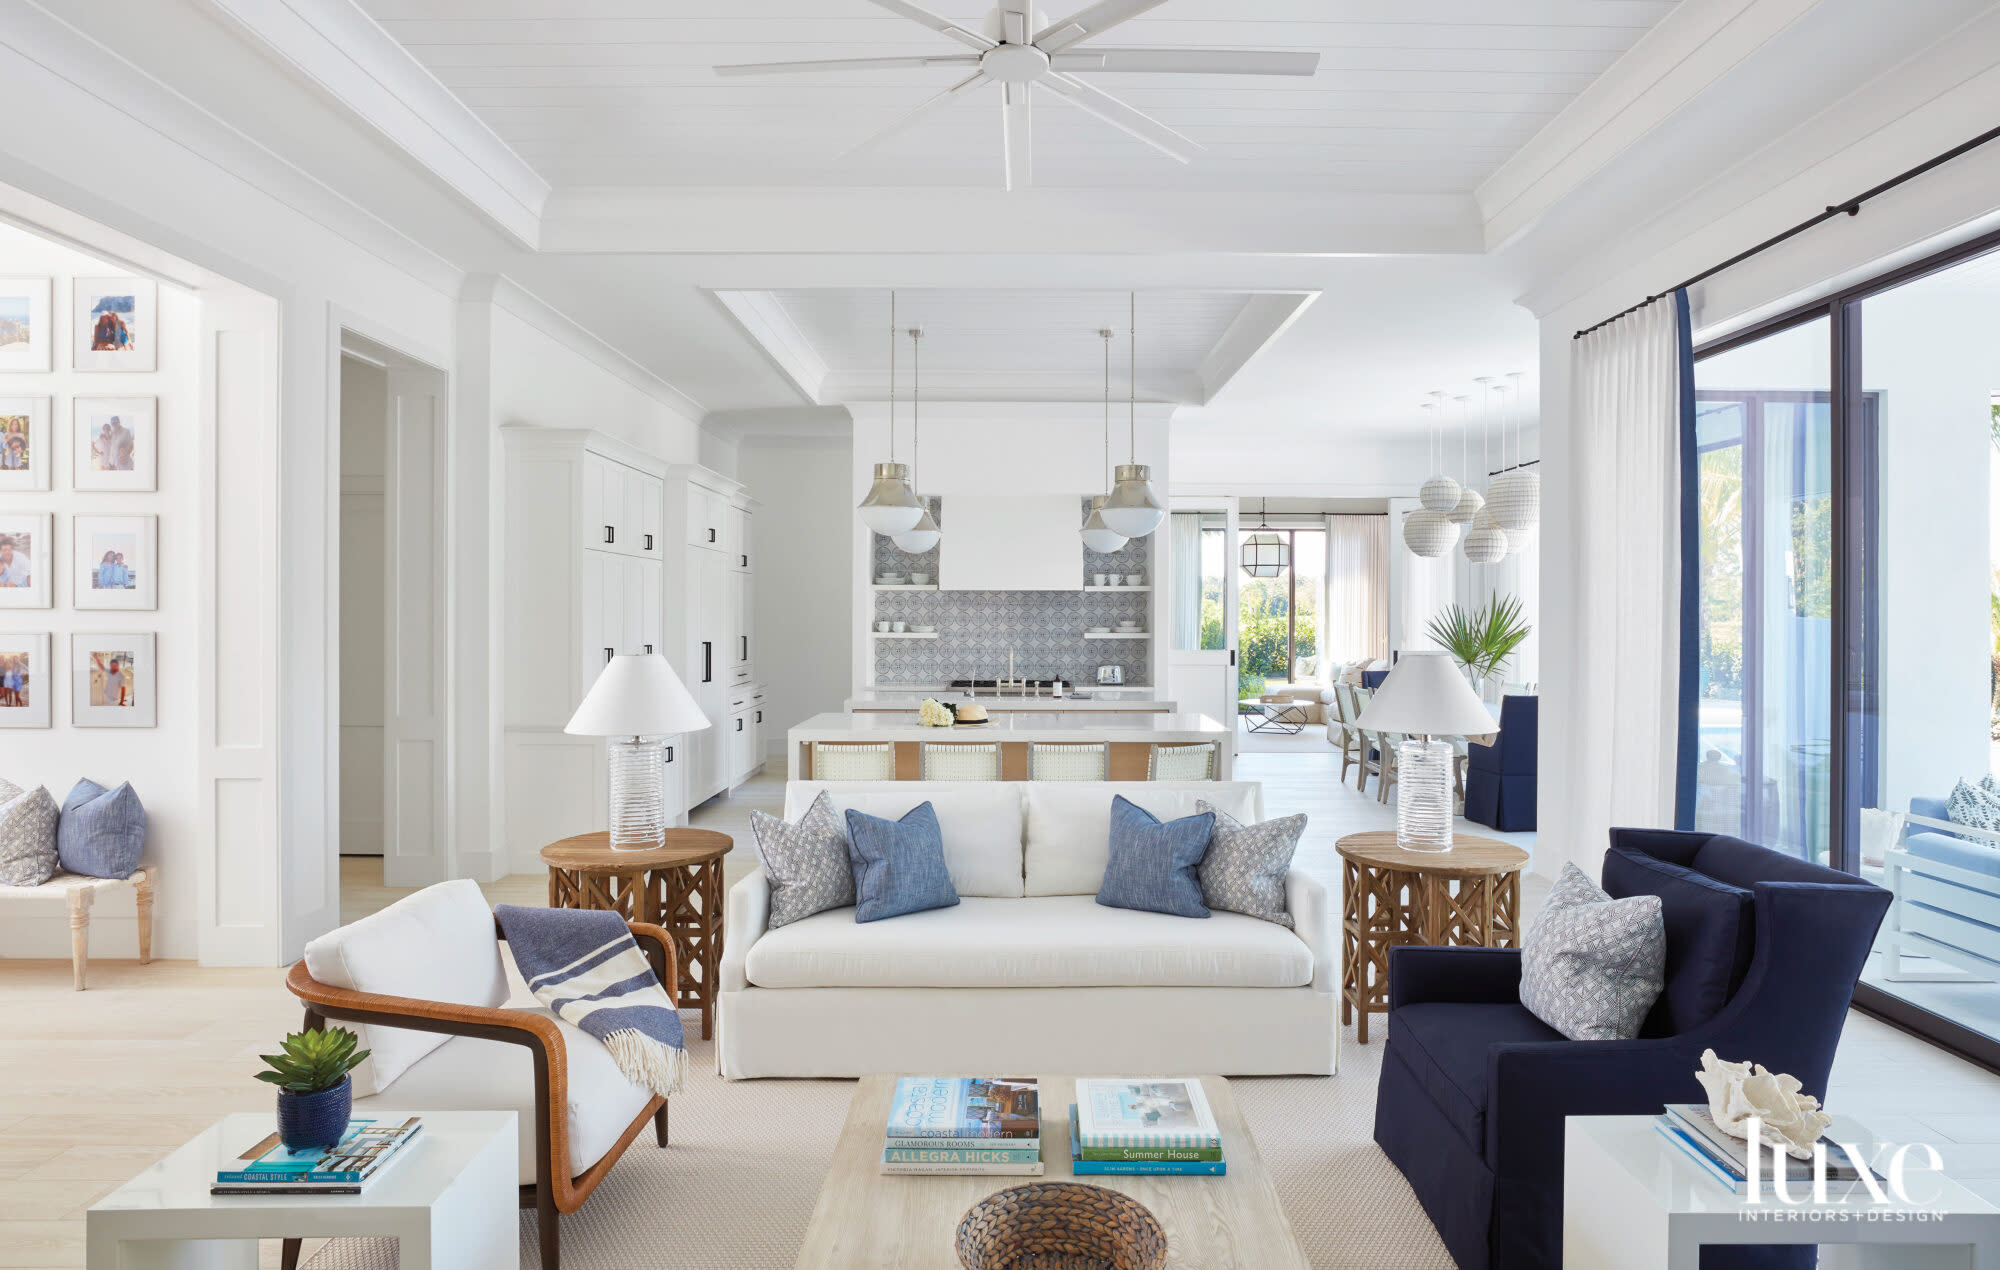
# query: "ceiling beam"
[1256,327]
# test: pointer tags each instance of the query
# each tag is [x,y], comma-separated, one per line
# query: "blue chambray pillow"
[102,831]
[898,864]
[1154,866]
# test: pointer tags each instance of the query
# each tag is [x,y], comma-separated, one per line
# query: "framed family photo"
[117,562]
[24,444]
[24,681]
[25,333]
[112,681]
[116,444]
[116,326]
[24,561]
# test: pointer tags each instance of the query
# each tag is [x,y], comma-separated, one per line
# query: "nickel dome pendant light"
[924,535]
[891,506]
[1133,508]
[1096,535]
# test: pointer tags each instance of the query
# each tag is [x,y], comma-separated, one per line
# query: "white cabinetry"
[587,571]
[708,634]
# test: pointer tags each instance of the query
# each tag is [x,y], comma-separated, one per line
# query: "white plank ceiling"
[1424,96]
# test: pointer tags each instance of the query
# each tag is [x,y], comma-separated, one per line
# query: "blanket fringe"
[658,1066]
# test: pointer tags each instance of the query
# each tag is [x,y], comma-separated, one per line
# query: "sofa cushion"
[1445,1046]
[1244,870]
[1943,848]
[1152,865]
[1710,927]
[898,864]
[27,835]
[1069,824]
[438,944]
[806,860]
[102,832]
[981,824]
[464,1073]
[1061,941]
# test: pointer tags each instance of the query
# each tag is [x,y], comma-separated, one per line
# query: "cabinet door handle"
[607,655]
[711,535]
[746,646]
[670,755]
[707,661]
[649,542]
[746,561]
[739,725]
[610,534]
[649,648]
[760,716]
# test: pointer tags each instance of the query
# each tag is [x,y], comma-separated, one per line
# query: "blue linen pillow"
[1153,865]
[898,864]
[101,832]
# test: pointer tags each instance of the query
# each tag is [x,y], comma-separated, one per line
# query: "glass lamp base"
[1423,795]
[638,796]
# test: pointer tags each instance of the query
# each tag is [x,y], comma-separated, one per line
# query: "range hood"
[1011,542]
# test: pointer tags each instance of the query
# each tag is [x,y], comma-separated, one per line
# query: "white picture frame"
[27,542]
[115,444]
[113,680]
[26,461]
[26,681]
[116,562]
[27,334]
[115,324]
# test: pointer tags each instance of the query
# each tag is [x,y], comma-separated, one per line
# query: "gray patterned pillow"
[1244,870]
[1592,966]
[806,862]
[27,835]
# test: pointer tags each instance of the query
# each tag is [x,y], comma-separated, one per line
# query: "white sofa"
[1028,972]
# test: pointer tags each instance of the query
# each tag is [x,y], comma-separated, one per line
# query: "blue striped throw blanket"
[585,966]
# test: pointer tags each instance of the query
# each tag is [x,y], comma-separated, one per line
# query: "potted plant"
[315,1090]
[1481,641]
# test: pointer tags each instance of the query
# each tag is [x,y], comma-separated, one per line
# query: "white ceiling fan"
[1019,50]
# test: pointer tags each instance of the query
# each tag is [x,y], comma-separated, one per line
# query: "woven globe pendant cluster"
[1439,494]
[1428,534]
[1487,542]
[1514,500]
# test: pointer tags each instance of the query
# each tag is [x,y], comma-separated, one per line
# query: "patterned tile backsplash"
[1043,628]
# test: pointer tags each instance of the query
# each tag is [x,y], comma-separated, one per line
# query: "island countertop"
[893,700]
[1018,730]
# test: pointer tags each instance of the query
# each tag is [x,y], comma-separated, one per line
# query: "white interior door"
[414,837]
[1201,607]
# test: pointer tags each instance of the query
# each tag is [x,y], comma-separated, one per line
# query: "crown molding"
[763,318]
[507,294]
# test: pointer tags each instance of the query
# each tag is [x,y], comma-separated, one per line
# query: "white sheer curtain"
[1355,618]
[1616,739]
[1185,546]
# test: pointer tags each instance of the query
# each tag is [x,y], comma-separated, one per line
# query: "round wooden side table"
[677,885]
[1469,895]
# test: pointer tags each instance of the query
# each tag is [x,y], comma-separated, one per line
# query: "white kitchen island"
[1096,701]
[1130,738]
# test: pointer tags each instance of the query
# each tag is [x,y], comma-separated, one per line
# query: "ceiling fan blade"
[1187,61]
[849,64]
[942,25]
[1095,19]
[1093,100]
[1016,140]
[931,103]
[1014,19]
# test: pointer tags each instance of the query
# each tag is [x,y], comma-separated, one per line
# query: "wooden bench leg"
[79,933]
[143,884]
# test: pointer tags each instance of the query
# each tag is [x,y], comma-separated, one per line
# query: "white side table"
[452,1204]
[1631,1201]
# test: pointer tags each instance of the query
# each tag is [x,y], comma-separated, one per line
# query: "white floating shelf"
[904,586]
[1127,589]
[1118,634]
[904,634]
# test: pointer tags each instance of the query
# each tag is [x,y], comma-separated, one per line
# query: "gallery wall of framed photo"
[99,521]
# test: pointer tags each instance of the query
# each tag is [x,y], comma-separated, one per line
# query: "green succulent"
[313,1061]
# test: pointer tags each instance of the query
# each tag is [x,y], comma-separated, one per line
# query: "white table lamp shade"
[1426,695]
[637,696]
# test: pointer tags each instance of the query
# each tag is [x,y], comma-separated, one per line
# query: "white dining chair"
[853,761]
[1182,762]
[959,762]
[1069,760]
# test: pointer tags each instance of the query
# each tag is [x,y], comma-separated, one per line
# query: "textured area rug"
[736,1188]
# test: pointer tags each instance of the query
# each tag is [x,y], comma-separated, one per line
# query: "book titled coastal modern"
[929,1107]
[1151,1114]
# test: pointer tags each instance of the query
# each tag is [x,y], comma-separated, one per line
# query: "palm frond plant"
[1481,641]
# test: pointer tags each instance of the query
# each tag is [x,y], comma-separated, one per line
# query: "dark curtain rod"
[1501,471]
[1851,207]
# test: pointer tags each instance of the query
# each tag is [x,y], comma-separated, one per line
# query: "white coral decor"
[1737,1092]
[934,714]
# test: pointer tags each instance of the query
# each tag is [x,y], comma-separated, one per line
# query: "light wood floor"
[96,1085]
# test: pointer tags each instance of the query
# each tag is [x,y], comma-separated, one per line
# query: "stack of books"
[964,1125]
[1726,1158]
[270,1168]
[1157,1125]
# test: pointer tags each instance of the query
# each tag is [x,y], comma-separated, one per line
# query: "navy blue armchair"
[1763,951]
[1500,778]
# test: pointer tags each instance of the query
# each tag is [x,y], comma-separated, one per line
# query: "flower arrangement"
[933,713]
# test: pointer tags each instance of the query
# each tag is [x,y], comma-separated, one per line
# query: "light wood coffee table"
[865,1221]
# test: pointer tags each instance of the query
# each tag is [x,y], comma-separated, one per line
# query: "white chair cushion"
[1062,941]
[468,1074]
[1069,825]
[980,822]
[436,945]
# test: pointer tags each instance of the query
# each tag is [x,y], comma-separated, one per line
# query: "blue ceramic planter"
[316,1119]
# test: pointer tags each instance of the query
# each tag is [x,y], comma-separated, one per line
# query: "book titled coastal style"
[1082,1165]
[930,1107]
[1152,1114]
[271,1168]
